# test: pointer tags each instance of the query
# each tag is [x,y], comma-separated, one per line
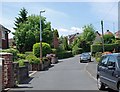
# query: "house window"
[3,35]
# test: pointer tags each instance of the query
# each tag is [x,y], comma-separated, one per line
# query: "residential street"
[68,74]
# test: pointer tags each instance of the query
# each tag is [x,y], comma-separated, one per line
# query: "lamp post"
[41,38]
[102,36]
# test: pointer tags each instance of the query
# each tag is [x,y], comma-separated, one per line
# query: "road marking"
[32,73]
[89,72]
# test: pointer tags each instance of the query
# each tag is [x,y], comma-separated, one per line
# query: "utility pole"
[102,36]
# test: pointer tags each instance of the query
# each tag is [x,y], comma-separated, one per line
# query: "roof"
[108,32]
[2,27]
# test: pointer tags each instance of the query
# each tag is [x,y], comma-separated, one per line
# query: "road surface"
[68,74]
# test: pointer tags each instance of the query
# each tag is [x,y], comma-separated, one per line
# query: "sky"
[67,17]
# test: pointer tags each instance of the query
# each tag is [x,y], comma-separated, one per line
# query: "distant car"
[108,72]
[85,57]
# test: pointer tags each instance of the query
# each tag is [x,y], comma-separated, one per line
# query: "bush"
[46,49]
[64,54]
[76,50]
[21,62]
[21,56]
[33,59]
[54,51]
[28,53]
[108,47]
[13,51]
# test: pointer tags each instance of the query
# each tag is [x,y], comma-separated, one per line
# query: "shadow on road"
[26,81]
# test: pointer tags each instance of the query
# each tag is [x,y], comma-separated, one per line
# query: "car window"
[111,61]
[103,61]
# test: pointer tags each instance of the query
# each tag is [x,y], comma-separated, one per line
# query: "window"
[103,61]
[3,34]
[111,61]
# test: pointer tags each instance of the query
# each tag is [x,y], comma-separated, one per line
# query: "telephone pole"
[102,36]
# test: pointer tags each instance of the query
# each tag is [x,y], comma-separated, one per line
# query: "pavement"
[68,74]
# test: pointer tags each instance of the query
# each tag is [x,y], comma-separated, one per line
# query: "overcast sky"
[67,17]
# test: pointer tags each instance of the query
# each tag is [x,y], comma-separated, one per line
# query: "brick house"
[117,35]
[72,37]
[4,43]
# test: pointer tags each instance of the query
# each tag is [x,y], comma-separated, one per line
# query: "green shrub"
[54,51]
[98,59]
[64,54]
[21,56]
[13,51]
[21,62]
[76,50]
[33,59]
[28,53]
[46,49]
[108,47]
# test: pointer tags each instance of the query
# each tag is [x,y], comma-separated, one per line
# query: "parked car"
[85,57]
[108,72]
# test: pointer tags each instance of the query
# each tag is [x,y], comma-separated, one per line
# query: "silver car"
[85,57]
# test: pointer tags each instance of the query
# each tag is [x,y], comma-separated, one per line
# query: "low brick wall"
[20,73]
[23,73]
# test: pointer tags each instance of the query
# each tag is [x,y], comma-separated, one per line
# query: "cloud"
[66,32]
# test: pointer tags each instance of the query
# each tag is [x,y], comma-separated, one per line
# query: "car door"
[102,69]
[111,71]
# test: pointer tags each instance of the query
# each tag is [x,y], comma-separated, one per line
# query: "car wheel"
[119,88]
[100,85]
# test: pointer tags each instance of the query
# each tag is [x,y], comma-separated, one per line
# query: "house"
[72,37]
[98,38]
[108,32]
[4,43]
[117,35]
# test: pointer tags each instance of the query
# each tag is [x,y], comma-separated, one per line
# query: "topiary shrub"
[46,49]
[33,59]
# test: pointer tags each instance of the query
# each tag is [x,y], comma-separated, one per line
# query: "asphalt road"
[68,74]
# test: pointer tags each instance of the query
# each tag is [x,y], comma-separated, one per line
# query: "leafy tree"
[108,38]
[28,31]
[65,43]
[88,33]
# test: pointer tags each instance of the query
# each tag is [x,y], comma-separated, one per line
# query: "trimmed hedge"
[46,49]
[64,54]
[108,47]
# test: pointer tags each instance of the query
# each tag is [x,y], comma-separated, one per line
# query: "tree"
[21,18]
[108,38]
[65,43]
[28,31]
[88,33]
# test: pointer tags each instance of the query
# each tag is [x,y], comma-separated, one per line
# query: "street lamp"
[42,11]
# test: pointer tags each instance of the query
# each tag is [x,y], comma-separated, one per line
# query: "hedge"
[108,47]
[64,54]
[46,49]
